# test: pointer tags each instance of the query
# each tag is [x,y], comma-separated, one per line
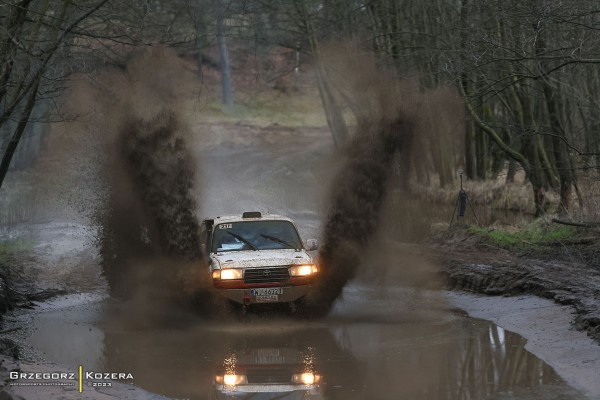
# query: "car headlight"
[231,379]
[227,274]
[307,378]
[303,270]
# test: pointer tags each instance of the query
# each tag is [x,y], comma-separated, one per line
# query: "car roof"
[238,218]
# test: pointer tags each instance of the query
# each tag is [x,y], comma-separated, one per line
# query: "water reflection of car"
[283,373]
[269,373]
[258,258]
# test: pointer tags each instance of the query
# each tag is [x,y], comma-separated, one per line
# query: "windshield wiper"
[280,241]
[246,241]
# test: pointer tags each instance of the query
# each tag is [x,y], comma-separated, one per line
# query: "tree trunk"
[18,133]
[559,137]
[539,197]
[512,170]
[224,54]
[470,151]
[333,113]
[201,34]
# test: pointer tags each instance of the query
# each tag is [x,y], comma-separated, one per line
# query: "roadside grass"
[589,185]
[263,109]
[536,234]
[12,247]
[491,193]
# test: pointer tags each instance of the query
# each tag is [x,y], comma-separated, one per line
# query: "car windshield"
[255,235]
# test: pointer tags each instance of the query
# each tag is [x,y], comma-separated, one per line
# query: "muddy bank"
[547,328]
[15,292]
[567,275]
[55,259]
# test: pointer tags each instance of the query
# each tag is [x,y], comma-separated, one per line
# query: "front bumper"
[268,388]
[244,296]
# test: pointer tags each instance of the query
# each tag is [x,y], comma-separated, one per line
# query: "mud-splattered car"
[258,258]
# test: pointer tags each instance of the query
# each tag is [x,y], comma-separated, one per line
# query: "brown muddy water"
[378,343]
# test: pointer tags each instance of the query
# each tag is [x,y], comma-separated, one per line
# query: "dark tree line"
[527,72]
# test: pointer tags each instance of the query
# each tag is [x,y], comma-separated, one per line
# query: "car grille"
[269,375]
[266,275]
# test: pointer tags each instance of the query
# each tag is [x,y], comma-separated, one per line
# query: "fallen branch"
[577,224]
[570,242]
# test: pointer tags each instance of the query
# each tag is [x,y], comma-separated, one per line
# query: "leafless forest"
[518,81]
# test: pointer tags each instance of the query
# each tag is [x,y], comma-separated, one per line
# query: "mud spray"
[148,231]
[356,204]
[392,135]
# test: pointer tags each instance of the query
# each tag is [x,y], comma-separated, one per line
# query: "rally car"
[256,258]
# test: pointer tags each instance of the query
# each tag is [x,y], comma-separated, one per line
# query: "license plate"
[266,291]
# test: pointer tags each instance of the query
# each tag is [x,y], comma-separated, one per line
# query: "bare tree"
[34,35]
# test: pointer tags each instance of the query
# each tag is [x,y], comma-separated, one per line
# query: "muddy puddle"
[384,344]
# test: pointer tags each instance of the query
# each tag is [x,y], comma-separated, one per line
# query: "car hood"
[261,258]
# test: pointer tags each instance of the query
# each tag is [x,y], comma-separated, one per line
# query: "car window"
[228,243]
[255,235]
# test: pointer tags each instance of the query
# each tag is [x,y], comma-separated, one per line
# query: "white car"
[258,258]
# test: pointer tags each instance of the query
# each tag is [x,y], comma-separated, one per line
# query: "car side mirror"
[312,244]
